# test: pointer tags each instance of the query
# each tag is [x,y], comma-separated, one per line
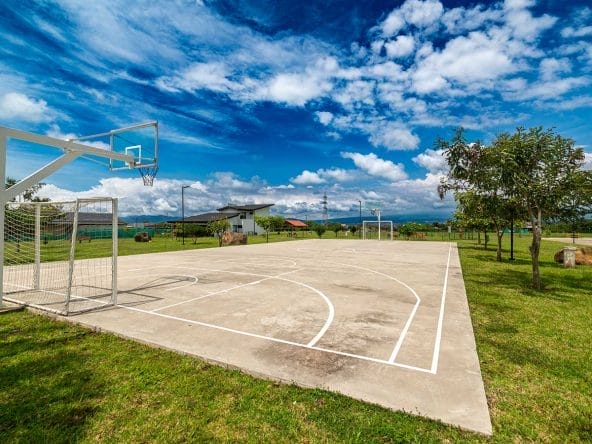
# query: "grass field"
[65,383]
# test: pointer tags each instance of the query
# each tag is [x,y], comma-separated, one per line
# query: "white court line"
[281,341]
[226,290]
[330,317]
[313,341]
[411,315]
[436,354]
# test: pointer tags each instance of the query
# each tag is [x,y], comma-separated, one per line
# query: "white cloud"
[308,178]
[323,175]
[579,32]
[464,60]
[212,76]
[522,23]
[587,162]
[375,166]
[402,46]
[422,13]
[325,117]
[550,67]
[433,161]
[394,137]
[459,20]
[18,107]
[393,23]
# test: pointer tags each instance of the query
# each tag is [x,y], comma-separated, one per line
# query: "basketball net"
[148,175]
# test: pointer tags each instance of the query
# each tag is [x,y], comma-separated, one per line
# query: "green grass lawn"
[61,382]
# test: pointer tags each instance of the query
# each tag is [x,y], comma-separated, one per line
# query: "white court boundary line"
[310,345]
[312,342]
[436,355]
[401,339]
[281,341]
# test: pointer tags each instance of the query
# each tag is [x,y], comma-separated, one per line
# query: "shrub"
[142,236]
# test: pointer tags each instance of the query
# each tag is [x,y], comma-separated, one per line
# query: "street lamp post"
[360,231]
[183,211]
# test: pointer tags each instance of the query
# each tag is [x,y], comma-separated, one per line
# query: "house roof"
[204,218]
[253,207]
[296,223]
[87,219]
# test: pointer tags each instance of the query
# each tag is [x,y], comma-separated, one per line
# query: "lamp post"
[183,211]
[360,231]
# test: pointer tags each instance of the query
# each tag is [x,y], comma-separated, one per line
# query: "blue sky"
[282,101]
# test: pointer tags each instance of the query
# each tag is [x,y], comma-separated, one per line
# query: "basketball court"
[385,322]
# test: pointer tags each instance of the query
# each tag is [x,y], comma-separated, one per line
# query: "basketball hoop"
[148,175]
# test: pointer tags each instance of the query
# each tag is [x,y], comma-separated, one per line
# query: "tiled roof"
[296,223]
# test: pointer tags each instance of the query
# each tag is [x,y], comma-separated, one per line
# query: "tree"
[409,228]
[278,223]
[533,171]
[335,227]
[28,195]
[320,229]
[265,222]
[217,228]
[353,229]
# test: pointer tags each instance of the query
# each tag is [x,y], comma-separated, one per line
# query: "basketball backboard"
[139,141]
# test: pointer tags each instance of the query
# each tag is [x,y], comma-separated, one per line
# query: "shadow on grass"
[49,391]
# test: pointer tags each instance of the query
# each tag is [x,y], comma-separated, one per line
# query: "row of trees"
[532,175]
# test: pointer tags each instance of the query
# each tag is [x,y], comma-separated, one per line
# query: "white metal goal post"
[367,223]
[70,150]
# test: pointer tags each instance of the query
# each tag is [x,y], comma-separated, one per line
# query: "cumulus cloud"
[394,137]
[308,178]
[325,117]
[323,175]
[15,106]
[402,46]
[374,166]
[432,160]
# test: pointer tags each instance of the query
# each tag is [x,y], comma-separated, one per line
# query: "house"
[240,217]
[245,223]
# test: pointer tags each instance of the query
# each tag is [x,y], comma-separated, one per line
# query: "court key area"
[384,322]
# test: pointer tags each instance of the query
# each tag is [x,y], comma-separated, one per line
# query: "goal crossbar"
[379,223]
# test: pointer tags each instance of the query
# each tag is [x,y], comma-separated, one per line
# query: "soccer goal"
[372,227]
[61,256]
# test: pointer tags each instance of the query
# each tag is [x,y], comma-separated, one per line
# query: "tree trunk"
[535,248]
[486,237]
[478,237]
[500,235]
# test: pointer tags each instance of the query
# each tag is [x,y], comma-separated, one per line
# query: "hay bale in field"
[583,256]
[230,238]
[142,236]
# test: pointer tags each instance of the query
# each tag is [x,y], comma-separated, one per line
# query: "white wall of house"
[245,221]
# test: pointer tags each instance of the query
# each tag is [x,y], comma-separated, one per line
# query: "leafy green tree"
[318,228]
[353,229]
[28,195]
[217,228]
[265,222]
[534,171]
[335,227]
[278,223]
[409,228]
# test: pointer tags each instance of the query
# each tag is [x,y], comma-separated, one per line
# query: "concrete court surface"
[385,322]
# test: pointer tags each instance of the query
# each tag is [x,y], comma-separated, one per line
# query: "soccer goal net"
[61,256]
[372,229]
